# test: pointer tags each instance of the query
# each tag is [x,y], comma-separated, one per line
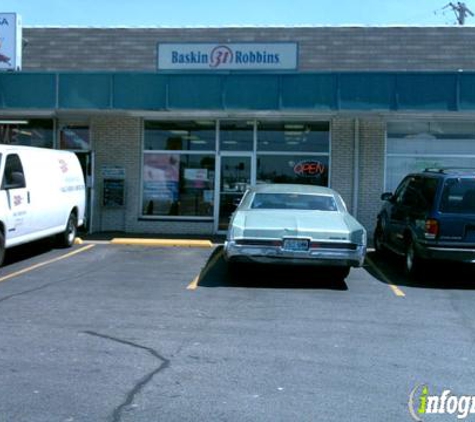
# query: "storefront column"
[116,145]
[371,170]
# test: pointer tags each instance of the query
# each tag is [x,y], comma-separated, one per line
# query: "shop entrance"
[236,173]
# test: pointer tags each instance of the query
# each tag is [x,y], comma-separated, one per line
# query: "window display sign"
[161,174]
[235,56]
[10,41]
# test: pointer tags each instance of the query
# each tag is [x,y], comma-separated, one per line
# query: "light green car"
[295,224]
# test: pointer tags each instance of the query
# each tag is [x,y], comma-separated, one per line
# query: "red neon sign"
[309,168]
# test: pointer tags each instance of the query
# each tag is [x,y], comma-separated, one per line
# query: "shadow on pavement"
[216,273]
[28,251]
[389,268]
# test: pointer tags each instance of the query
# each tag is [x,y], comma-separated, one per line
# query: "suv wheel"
[378,238]
[412,263]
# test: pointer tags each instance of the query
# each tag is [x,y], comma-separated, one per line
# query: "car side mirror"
[387,196]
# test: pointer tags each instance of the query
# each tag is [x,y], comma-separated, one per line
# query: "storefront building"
[171,125]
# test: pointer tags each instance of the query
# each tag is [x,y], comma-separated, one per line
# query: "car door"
[15,199]
[399,213]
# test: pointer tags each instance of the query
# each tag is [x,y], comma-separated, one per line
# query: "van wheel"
[2,248]
[66,238]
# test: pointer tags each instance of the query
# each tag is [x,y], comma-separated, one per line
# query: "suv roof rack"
[449,169]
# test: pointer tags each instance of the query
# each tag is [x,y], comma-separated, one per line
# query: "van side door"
[15,199]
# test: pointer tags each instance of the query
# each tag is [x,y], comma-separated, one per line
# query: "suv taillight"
[431,229]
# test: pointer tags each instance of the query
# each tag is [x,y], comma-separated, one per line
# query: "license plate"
[295,245]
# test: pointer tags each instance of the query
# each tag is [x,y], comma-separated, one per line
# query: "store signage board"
[228,56]
[10,41]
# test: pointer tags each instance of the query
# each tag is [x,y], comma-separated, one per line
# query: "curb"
[190,243]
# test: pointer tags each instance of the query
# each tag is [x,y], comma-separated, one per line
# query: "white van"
[42,194]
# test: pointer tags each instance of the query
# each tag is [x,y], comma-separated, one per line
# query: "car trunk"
[318,225]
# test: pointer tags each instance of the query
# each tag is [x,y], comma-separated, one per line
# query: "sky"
[185,13]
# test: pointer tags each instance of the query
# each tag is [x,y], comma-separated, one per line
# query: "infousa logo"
[426,406]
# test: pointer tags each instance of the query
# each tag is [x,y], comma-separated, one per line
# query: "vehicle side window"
[419,193]
[400,191]
[13,176]
[458,196]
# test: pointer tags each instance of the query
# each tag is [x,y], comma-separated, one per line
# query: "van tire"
[2,248]
[66,238]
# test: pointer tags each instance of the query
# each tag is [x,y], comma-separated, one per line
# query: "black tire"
[66,238]
[2,248]
[378,239]
[412,263]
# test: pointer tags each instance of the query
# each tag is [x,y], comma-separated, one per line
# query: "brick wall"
[371,171]
[344,48]
[342,157]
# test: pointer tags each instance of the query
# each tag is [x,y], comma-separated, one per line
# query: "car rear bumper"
[277,255]
[446,253]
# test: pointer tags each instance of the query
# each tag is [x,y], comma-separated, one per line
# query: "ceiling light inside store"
[230,142]
[299,127]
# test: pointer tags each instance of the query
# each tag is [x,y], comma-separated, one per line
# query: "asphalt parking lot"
[105,332]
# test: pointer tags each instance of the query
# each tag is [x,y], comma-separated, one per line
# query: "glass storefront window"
[309,170]
[180,136]
[414,146]
[75,137]
[296,137]
[178,184]
[236,136]
[30,132]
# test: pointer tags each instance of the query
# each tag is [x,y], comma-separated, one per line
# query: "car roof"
[291,188]
[450,171]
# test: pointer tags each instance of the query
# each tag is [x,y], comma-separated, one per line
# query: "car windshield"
[293,201]
[458,196]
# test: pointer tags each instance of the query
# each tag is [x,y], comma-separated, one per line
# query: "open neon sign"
[309,168]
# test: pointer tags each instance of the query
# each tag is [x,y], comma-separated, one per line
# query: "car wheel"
[378,237]
[66,238]
[412,263]
[2,248]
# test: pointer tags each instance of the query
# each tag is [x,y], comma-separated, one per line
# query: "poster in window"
[161,174]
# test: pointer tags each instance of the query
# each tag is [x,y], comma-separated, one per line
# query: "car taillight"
[431,229]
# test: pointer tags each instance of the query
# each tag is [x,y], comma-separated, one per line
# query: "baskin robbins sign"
[10,41]
[229,56]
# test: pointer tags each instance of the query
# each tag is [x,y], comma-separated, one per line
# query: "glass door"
[235,176]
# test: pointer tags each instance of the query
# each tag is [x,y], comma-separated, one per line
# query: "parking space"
[130,333]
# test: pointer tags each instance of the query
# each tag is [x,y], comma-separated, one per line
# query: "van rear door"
[15,200]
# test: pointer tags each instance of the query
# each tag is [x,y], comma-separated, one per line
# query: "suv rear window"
[458,196]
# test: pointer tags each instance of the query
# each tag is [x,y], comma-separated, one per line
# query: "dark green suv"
[430,216]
